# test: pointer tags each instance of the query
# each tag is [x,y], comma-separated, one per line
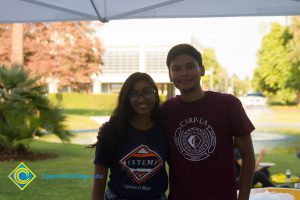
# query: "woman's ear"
[202,68]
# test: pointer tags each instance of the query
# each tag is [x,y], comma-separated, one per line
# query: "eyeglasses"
[147,93]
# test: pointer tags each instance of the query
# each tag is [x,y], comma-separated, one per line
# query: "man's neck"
[193,95]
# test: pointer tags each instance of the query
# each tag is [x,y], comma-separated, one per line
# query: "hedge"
[84,101]
[87,101]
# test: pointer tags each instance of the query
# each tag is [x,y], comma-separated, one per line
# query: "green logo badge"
[21,176]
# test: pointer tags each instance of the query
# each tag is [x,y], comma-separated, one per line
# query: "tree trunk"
[17,55]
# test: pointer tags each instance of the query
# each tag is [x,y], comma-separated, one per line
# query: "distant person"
[200,127]
[298,154]
[132,146]
[261,174]
[258,160]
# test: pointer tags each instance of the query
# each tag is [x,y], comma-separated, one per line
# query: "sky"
[235,40]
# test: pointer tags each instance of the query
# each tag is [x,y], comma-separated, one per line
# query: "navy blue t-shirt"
[138,168]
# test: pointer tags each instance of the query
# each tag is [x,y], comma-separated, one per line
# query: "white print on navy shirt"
[195,139]
[139,187]
[141,163]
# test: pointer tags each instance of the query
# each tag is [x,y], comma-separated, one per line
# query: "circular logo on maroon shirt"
[193,142]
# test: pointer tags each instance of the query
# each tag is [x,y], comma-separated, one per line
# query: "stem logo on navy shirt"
[141,163]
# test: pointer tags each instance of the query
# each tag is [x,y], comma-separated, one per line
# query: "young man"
[200,127]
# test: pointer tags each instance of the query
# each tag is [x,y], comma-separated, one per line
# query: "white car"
[254,99]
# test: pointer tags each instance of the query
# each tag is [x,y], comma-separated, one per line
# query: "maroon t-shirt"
[201,147]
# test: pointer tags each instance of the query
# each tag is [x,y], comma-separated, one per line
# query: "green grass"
[279,118]
[72,159]
[281,114]
[284,158]
[87,112]
[294,131]
[75,159]
[284,155]
[75,122]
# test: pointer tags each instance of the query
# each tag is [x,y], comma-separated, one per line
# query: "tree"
[294,81]
[68,51]
[17,55]
[217,75]
[295,42]
[274,74]
[25,111]
[5,44]
[240,87]
[75,53]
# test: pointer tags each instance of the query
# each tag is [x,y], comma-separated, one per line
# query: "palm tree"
[25,111]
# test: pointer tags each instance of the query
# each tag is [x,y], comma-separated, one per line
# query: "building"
[121,60]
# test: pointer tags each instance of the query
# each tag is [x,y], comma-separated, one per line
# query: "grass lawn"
[284,158]
[72,159]
[80,118]
[75,159]
[87,112]
[284,154]
[294,131]
[76,122]
[280,119]
[281,114]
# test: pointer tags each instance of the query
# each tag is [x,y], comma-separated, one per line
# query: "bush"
[25,111]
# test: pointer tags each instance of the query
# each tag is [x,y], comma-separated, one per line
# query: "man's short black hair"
[181,49]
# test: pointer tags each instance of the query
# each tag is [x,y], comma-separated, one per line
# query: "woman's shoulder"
[105,129]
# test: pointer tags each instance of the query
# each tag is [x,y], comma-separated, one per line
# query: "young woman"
[132,146]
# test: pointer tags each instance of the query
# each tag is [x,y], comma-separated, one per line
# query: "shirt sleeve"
[240,124]
[101,155]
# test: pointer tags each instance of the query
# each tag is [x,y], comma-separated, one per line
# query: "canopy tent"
[12,11]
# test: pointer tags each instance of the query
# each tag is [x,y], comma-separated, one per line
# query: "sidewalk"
[88,137]
[100,119]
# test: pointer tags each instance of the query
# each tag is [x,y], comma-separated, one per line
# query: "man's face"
[186,73]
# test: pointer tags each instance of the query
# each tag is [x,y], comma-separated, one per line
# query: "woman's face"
[142,98]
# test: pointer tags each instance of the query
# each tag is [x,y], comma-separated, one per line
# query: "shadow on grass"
[87,112]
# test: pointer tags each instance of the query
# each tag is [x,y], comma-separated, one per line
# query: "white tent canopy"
[12,11]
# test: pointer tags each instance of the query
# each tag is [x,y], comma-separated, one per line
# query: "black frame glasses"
[147,93]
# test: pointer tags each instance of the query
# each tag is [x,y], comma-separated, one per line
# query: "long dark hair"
[120,118]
